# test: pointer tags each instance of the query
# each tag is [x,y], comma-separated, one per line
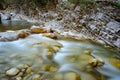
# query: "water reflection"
[13,25]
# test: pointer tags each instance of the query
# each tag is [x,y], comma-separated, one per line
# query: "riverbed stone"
[45,67]
[18,78]
[36,77]
[37,29]
[23,66]
[28,70]
[23,33]
[53,69]
[50,35]
[100,62]
[49,55]
[71,76]
[88,51]
[93,62]
[12,72]
[58,76]
[115,62]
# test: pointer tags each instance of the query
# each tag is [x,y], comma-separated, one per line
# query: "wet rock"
[115,62]
[23,66]
[66,76]
[88,51]
[50,35]
[36,77]
[93,62]
[27,77]
[23,33]
[52,69]
[46,67]
[12,72]
[100,62]
[37,29]
[49,55]
[28,70]
[20,74]
[56,49]
[18,78]
[58,77]
[8,36]
[88,68]
[71,76]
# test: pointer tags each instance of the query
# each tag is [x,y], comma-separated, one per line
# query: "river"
[63,59]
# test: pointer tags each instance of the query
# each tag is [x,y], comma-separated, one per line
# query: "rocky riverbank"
[72,22]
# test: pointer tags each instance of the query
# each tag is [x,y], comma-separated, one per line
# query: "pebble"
[12,72]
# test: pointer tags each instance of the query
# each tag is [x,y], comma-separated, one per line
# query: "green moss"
[117,4]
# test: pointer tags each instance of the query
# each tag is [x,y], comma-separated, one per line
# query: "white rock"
[12,72]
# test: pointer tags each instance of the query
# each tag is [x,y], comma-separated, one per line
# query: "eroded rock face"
[111,33]
[105,29]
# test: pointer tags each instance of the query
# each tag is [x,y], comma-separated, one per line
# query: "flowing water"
[58,59]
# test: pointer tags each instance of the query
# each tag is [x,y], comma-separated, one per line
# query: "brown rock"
[37,30]
[71,76]
[23,33]
[50,35]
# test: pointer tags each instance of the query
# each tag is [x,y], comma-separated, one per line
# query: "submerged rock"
[67,76]
[71,76]
[12,72]
[36,77]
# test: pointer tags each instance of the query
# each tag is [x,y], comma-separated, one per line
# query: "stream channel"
[41,58]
